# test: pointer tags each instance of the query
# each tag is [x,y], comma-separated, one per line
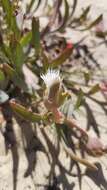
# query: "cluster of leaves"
[23,54]
[26,51]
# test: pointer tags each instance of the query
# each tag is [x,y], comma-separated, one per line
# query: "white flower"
[51,77]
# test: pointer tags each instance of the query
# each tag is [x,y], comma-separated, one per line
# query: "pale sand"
[20,170]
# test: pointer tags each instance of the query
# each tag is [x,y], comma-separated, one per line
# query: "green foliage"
[15,77]
[94,89]
[25,113]
[2,76]
[10,17]
[80,99]
[27,52]
[26,39]
[18,57]
[17,45]
[94,23]
[36,35]
[62,57]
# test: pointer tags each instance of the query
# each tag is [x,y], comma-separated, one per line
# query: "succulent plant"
[26,49]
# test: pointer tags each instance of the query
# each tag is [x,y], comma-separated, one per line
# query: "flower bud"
[53,83]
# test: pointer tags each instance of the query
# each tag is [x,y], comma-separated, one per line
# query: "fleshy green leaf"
[86,77]
[80,99]
[94,23]
[14,77]
[94,89]
[18,57]
[26,39]
[36,35]
[3,97]
[10,17]
[45,59]
[62,98]
[2,76]
[82,17]
[84,14]
[62,58]
[28,83]
[79,20]
[25,113]
[8,10]
[101,34]
[5,54]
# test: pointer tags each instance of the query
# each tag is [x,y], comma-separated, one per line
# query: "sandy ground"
[40,163]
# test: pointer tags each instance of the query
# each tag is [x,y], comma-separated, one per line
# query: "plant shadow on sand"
[97,177]
[34,145]
[66,177]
